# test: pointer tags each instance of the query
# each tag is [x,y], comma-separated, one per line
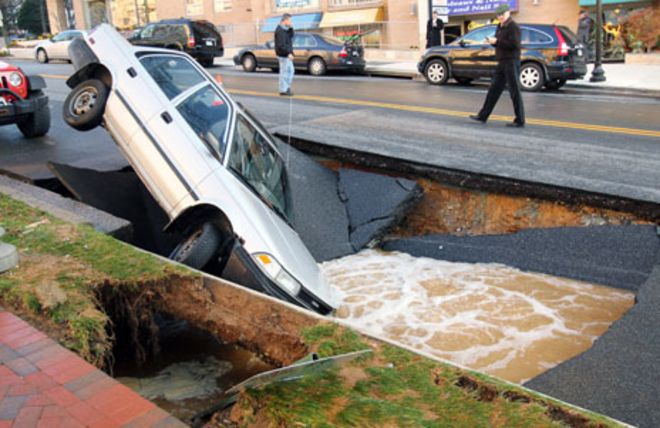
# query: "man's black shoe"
[477,118]
[515,125]
[286,94]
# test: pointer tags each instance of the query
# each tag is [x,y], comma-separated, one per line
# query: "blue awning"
[307,21]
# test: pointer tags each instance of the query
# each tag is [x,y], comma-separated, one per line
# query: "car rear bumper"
[352,64]
[237,60]
[13,112]
[567,71]
[207,53]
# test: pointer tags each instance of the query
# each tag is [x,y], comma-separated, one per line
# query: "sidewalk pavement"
[44,385]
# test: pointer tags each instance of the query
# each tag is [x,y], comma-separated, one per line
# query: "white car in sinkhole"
[207,161]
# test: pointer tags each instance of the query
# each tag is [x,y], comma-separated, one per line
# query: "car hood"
[5,67]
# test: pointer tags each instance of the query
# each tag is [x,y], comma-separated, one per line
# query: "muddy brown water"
[492,318]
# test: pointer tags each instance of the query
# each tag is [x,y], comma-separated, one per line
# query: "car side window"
[174,75]
[61,37]
[531,36]
[260,166]
[479,36]
[147,32]
[207,114]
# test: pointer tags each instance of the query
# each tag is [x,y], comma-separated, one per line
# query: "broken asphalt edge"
[472,180]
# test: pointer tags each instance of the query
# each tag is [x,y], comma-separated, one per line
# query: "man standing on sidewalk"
[507,52]
[284,51]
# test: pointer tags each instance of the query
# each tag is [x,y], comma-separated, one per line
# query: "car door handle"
[166,117]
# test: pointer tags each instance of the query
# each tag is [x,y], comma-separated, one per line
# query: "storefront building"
[397,25]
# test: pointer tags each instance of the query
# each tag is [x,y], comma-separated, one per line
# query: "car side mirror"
[462,43]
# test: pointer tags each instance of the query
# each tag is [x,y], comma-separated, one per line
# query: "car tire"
[249,63]
[199,245]
[42,56]
[436,72]
[317,66]
[556,84]
[84,106]
[531,77]
[37,124]
[463,80]
[206,62]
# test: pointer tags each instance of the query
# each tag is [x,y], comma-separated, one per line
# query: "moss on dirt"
[61,270]
[395,387]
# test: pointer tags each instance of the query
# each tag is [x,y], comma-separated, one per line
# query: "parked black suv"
[550,56]
[200,39]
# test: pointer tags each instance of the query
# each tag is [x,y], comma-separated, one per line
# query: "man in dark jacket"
[507,52]
[585,29]
[434,28]
[284,51]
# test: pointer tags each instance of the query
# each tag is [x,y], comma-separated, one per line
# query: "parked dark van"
[200,39]
[550,56]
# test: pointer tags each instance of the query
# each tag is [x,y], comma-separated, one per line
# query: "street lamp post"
[598,74]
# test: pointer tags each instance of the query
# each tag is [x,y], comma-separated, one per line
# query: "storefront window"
[371,36]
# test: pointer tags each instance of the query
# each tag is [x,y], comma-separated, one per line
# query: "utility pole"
[598,74]
[42,14]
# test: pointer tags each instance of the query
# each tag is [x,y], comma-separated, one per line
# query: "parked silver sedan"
[210,164]
[57,47]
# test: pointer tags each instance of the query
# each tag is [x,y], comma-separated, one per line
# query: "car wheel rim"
[42,56]
[84,102]
[436,72]
[530,77]
[247,62]
[317,67]
[187,246]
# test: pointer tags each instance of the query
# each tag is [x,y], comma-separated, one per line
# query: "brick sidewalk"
[44,385]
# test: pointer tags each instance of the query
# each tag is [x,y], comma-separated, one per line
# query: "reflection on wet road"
[493,318]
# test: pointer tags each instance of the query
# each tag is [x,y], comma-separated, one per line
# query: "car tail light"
[343,53]
[562,49]
[191,41]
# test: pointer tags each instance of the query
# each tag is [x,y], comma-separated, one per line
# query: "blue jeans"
[286,73]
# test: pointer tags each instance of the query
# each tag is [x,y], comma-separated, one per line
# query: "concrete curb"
[66,209]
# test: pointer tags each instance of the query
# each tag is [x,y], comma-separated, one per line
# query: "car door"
[475,57]
[57,49]
[302,45]
[266,56]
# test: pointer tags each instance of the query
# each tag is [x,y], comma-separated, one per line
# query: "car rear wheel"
[198,246]
[531,77]
[42,56]
[249,63]
[436,72]
[206,62]
[555,84]
[317,67]
[38,123]
[84,107]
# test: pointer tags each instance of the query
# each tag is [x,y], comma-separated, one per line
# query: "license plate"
[349,62]
[209,43]
[4,111]
[579,52]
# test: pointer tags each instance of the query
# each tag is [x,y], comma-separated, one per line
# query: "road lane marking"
[439,112]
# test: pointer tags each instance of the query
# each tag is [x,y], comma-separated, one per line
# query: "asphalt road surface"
[596,142]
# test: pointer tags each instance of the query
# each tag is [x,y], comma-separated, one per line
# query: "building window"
[194,7]
[296,4]
[222,5]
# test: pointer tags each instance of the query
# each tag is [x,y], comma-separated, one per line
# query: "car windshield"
[477,37]
[207,114]
[173,74]
[259,165]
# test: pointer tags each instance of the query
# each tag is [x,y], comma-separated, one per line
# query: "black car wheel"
[317,66]
[531,77]
[37,124]
[198,246]
[42,56]
[84,106]
[555,84]
[436,72]
[249,63]
[206,62]
[463,80]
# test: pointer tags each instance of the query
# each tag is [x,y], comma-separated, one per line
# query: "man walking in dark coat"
[434,28]
[507,52]
[284,51]
[585,29]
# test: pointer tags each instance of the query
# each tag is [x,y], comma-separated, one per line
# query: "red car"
[23,102]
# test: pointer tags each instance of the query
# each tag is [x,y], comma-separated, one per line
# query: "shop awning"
[593,2]
[351,17]
[307,21]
